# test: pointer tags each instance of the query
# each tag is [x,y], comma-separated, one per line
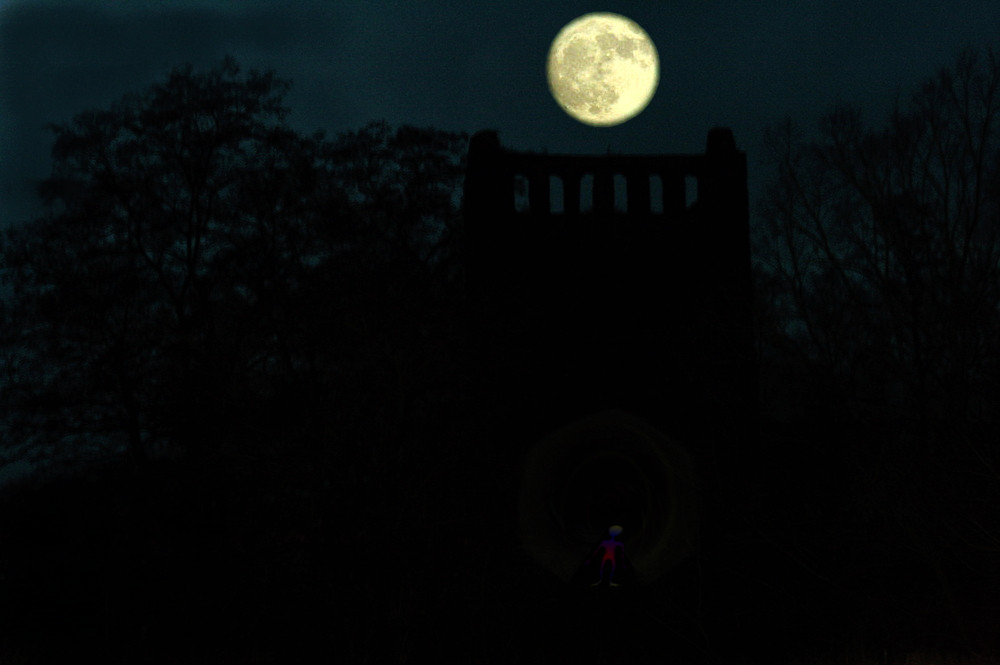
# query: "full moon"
[603,69]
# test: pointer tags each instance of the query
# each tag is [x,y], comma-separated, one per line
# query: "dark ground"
[404,561]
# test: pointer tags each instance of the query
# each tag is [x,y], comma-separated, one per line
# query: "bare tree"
[882,247]
[879,258]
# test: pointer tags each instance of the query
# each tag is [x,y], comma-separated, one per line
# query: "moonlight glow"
[603,69]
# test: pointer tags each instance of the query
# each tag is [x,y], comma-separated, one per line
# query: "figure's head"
[614,531]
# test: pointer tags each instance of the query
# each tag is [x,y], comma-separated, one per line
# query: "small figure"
[611,548]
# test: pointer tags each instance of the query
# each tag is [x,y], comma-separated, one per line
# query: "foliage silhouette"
[199,257]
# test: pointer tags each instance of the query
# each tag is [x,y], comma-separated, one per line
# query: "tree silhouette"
[198,264]
[878,282]
[283,313]
[121,273]
[882,248]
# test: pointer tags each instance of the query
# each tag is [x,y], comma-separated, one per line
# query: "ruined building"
[616,282]
[633,294]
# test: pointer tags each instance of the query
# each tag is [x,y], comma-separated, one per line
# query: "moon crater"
[603,69]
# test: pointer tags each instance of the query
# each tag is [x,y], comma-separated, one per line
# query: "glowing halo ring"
[559,537]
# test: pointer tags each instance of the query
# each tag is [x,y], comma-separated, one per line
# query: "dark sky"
[474,64]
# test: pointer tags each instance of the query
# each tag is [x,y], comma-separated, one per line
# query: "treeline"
[207,279]
[877,278]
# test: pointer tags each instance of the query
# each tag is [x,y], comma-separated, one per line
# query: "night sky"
[469,65]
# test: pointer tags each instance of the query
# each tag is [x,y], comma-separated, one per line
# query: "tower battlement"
[494,174]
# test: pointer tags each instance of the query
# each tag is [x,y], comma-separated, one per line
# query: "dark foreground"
[283,561]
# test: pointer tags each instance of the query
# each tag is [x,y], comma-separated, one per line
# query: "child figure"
[611,548]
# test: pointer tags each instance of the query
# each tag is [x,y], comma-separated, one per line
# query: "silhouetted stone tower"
[601,282]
